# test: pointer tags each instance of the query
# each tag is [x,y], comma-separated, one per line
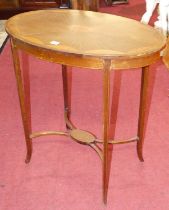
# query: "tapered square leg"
[22,99]
[66,77]
[142,111]
[106,102]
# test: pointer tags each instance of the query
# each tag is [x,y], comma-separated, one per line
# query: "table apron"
[83,61]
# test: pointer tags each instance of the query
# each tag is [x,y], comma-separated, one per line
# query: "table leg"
[66,95]
[21,93]
[142,111]
[26,82]
[106,101]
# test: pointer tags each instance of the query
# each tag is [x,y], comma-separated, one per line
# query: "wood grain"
[86,34]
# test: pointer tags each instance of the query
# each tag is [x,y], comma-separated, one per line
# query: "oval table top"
[86,33]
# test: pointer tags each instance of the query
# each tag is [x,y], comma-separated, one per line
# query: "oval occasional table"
[89,40]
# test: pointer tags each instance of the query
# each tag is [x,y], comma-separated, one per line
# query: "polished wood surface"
[92,40]
[9,8]
[90,34]
[91,5]
[8,4]
[39,2]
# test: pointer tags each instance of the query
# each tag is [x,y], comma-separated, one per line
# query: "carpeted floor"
[64,175]
[3,35]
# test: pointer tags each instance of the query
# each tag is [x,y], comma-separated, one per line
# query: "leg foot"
[28,158]
[140,153]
